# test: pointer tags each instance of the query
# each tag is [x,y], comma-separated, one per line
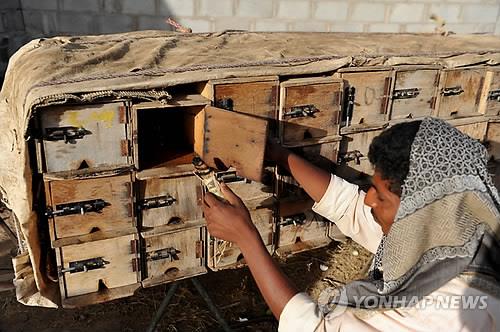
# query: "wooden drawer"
[79,137]
[170,202]
[366,95]
[173,256]
[84,206]
[354,150]
[300,229]
[226,255]
[98,266]
[225,139]
[493,140]
[414,92]
[309,109]
[475,129]
[252,95]
[490,96]
[460,92]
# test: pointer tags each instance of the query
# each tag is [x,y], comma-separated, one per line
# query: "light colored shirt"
[343,203]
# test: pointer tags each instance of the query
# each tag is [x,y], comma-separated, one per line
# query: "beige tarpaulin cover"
[82,69]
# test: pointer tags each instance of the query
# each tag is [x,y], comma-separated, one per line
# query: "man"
[431,218]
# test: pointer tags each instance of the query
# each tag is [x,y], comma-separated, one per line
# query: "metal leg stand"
[204,295]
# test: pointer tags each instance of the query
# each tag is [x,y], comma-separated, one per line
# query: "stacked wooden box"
[123,204]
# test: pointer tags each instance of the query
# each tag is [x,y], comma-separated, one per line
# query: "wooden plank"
[224,139]
[103,296]
[99,147]
[117,273]
[371,93]
[189,260]
[115,191]
[187,205]
[324,95]
[425,81]
[475,130]
[460,92]
[493,140]
[489,104]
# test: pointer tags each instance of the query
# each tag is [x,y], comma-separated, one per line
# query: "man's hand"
[229,220]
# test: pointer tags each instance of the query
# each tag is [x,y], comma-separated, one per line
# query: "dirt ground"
[234,292]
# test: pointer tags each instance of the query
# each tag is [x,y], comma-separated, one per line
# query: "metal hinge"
[199,249]
[83,207]
[85,265]
[301,111]
[156,202]
[494,95]
[355,155]
[296,219]
[170,253]
[67,134]
[125,147]
[406,93]
[453,91]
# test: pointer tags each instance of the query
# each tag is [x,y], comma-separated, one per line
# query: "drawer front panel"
[490,98]
[354,150]
[475,130]
[173,256]
[85,268]
[85,206]
[76,137]
[309,109]
[371,96]
[414,93]
[460,91]
[226,255]
[170,201]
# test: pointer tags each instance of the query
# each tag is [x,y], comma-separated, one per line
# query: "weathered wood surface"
[224,139]
[106,125]
[490,96]
[325,94]
[116,191]
[120,254]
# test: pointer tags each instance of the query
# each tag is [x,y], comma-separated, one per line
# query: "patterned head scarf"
[447,224]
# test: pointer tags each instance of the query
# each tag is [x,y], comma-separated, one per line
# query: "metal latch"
[225,103]
[350,156]
[301,111]
[296,219]
[156,202]
[83,207]
[228,177]
[406,93]
[85,265]
[68,134]
[170,252]
[494,95]
[453,91]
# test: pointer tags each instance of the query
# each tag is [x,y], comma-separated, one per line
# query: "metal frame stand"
[201,290]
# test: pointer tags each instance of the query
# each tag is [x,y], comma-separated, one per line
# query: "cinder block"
[40,22]
[216,8]
[461,28]
[10,4]
[450,13]
[153,23]
[331,10]
[384,27]
[113,6]
[176,8]
[255,8]
[81,6]
[78,24]
[115,23]
[142,7]
[310,26]
[39,4]
[480,13]
[347,27]
[197,25]
[271,25]
[294,9]
[368,12]
[420,28]
[232,23]
[406,13]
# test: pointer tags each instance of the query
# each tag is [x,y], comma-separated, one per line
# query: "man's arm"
[231,222]
[313,179]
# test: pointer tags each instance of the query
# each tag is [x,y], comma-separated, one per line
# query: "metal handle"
[96,205]
[169,252]
[453,91]
[225,103]
[156,202]
[296,219]
[301,111]
[85,265]
[406,93]
[350,156]
[68,134]
[228,177]
[494,95]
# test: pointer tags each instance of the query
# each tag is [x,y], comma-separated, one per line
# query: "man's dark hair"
[390,153]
